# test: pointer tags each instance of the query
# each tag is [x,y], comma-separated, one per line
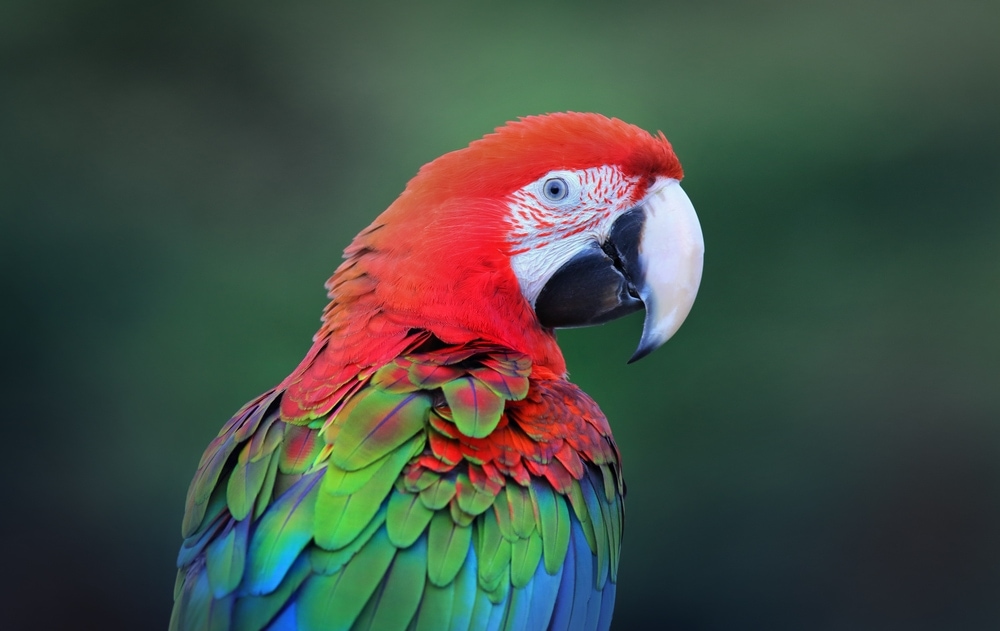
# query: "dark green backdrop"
[818,448]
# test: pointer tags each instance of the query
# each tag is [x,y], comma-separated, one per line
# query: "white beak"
[671,253]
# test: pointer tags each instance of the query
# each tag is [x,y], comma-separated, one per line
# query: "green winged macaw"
[428,465]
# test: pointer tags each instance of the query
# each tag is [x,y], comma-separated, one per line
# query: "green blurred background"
[818,448]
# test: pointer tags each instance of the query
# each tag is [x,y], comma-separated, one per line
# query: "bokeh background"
[818,448]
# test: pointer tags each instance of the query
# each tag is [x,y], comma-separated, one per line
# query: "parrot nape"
[428,465]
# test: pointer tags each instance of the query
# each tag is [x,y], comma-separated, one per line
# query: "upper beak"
[671,254]
[653,257]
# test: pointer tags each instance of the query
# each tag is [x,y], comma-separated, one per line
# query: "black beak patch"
[601,283]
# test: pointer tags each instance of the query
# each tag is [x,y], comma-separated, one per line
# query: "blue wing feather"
[607,605]
[286,621]
[543,600]
[465,594]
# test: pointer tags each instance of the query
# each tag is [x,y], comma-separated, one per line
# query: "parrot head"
[554,221]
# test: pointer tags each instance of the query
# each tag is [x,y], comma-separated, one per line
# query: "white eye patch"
[559,214]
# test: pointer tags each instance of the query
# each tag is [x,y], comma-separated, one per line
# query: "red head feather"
[523,151]
[438,258]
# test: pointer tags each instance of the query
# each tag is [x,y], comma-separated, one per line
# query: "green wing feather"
[253,613]
[393,497]
[401,590]
[360,442]
[407,518]
[332,602]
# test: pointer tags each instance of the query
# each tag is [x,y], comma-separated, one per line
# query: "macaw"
[428,465]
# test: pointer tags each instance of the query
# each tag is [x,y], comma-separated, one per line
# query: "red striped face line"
[555,216]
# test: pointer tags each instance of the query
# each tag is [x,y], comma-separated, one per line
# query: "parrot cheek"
[652,257]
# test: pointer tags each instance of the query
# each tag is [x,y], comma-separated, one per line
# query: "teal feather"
[364,620]
[594,606]
[545,588]
[522,512]
[330,562]
[493,551]
[607,606]
[287,620]
[203,486]
[191,608]
[214,521]
[225,558]
[487,613]
[600,519]
[583,514]
[436,605]
[332,603]
[616,516]
[499,593]
[525,555]
[282,534]
[464,593]
[245,483]
[253,613]
[267,490]
[519,607]
[578,581]
[481,609]
[179,583]
[401,592]
[499,610]
[553,521]
[196,609]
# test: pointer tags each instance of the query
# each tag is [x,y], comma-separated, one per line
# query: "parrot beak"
[652,257]
[671,253]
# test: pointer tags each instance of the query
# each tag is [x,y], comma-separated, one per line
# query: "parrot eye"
[555,189]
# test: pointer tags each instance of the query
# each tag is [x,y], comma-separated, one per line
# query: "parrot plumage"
[428,465]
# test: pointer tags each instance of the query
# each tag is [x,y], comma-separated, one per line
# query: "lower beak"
[652,258]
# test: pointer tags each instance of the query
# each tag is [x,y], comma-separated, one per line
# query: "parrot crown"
[524,150]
